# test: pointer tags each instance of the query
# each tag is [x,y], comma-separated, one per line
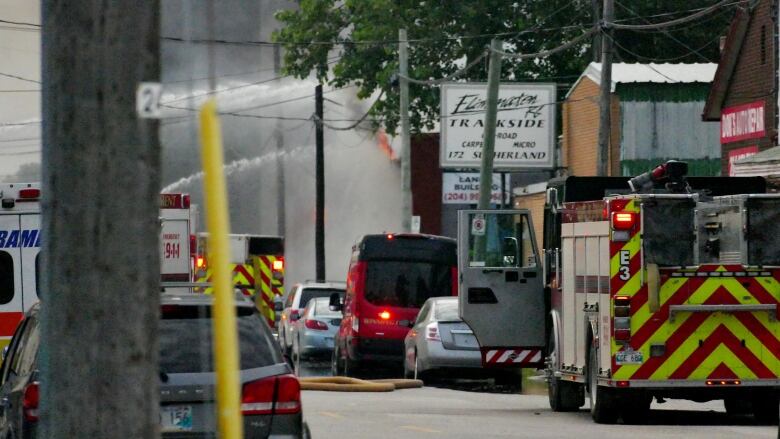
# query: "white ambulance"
[177,220]
[20,245]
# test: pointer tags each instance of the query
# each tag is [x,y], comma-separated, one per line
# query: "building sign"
[463,188]
[742,122]
[740,153]
[525,125]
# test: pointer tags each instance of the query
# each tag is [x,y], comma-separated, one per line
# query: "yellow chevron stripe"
[722,354]
[692,343]
[633,246]
[668,289]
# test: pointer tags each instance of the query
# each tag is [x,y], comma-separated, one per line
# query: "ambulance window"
[6,278]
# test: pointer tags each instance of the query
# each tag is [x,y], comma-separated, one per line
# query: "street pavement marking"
[422,429]
[332,415]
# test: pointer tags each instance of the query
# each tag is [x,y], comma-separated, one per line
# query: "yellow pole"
[231,425]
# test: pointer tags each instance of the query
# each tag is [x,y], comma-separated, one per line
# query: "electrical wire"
[8,75]
[546,53]
[453,75]
[358,122]
[20,23]
[669,23]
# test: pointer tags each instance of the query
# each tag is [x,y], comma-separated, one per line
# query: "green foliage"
[347,42]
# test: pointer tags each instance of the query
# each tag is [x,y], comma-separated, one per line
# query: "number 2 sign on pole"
[147,100]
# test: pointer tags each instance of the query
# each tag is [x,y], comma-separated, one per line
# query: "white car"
[296,301]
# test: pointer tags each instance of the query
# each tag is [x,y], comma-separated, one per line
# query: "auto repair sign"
[525,125]
[742,122]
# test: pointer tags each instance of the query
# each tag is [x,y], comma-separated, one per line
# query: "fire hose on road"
[347,384]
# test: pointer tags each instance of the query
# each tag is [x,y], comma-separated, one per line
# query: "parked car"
[441,345]
[270,393]
[390,277]
[313,333]
[296,301]
[19,379]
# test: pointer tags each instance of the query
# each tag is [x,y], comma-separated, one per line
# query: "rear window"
[406,284]
[186,340]
[322,309]
[312,293]
[447,311]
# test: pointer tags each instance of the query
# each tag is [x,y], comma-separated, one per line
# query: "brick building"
[743,97]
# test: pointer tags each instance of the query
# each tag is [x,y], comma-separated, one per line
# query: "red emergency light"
[384,315]
[623,220]
[199,262]
[278,264]
[29,194]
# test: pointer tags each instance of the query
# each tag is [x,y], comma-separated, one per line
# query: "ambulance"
[20,245]
[177,243]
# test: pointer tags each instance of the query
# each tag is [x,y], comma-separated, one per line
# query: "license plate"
[465,340]
[176,418]
[629,357]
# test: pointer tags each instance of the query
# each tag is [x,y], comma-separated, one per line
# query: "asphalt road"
[471,410]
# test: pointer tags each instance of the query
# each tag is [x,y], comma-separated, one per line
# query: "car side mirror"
[335,303]
[278,306]
[510,251]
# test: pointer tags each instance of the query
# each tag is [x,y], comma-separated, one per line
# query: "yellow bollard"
[231,424]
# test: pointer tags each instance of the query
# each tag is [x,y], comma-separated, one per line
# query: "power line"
[19,140]
[448,77]
[20,23]
[656,59]
[8,75]
[669,23]
[546,53]
[19,91]
[359,121]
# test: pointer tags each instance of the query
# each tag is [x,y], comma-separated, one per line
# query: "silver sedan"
[313,332]
[441,341]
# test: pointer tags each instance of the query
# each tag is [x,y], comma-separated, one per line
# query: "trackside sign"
[525,125]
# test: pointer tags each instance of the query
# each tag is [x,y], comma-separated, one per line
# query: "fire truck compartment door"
[501,296]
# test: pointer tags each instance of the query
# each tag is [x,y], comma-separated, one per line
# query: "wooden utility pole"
[489,138]
[319,231]
[406,159]
[605,97]
[101,257]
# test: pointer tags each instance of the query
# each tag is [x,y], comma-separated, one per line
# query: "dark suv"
[270,395]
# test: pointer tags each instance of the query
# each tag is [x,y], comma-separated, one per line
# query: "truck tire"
[564,396]
[336,368]
[603,409]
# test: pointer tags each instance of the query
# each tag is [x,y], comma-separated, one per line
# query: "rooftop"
[679,73]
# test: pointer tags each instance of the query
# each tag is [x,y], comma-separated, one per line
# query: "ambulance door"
[10,277]
[30,249]
[501,295]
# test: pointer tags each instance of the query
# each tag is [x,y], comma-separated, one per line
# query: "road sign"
[478,224]
[147,100]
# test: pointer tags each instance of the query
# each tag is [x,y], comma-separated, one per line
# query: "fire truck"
[257,263]
[657,286]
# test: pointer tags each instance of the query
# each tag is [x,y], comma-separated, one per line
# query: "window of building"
[763,44]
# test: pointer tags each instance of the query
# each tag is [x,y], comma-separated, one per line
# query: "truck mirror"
[509,251]
[335,303]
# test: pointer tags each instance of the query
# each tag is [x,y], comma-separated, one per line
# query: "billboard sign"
[525,125]
[740,153]
[742,122]
[463,188]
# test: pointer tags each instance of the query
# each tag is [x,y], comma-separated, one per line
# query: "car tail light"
[623,220]
[390,236]
[30,401]
[295,314]
[432,332]
[316,325]
[274,395]
[185,201]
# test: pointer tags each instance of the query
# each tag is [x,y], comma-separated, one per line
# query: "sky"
[20,53]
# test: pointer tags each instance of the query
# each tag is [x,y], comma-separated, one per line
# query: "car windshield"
[312,293]
[446,311]
[322,308]
[406,284]
[186,340]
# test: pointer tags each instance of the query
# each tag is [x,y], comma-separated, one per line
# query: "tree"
[353,42]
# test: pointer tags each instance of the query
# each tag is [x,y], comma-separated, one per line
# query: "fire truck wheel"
[765,408]
[564,396]
[603,409]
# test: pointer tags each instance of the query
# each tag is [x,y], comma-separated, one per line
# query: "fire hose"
[347,384]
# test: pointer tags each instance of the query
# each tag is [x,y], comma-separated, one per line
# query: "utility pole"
[596,5]
[101,190]
[281,208]
[605,97]
[406,173]
[319,231]
[489,137]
